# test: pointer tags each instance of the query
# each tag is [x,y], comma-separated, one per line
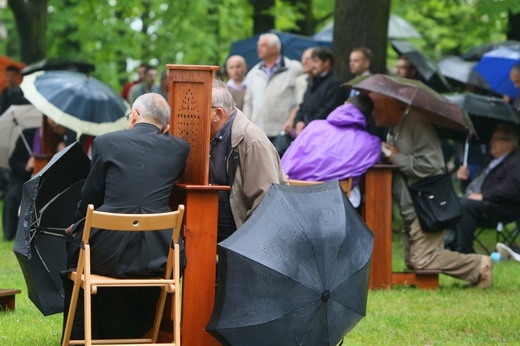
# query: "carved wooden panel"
[189,95]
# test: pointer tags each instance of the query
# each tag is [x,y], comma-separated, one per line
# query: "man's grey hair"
[221,97]
[154,108]
[272,40]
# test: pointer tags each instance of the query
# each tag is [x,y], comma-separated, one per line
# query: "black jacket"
[323,95]
[501,188]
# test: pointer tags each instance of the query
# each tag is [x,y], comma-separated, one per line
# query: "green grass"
[452,315]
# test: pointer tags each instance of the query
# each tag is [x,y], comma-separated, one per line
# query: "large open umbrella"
[458,70]
[296,273]
[49,202]
[12,122]
[485,112]
[495,67]
[76,101]
[476,53]
[59,64]
[426,67]
[440,111]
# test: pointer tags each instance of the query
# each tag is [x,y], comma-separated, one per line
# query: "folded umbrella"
[495,67]
[296,273]
[12,122]
[48,205]
[76,101]
[440,111]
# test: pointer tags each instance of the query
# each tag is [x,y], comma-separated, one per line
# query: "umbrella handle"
[466,151]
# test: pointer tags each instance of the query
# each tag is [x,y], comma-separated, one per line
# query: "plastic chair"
[346,185]
[90,282]
[506,232]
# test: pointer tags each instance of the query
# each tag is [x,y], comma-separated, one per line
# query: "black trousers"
[464,231]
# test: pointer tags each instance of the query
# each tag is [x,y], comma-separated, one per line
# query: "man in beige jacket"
[242,157]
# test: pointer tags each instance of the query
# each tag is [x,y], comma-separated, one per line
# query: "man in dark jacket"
[132,172]
[324,93]
[494,194]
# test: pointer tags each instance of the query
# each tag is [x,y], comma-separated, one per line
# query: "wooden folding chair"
[90,282]
[346,185]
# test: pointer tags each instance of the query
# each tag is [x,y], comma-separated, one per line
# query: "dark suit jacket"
[322,96]
[132,172]
[20,156]
[501,188]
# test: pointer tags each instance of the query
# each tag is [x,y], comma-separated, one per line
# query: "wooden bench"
[7,297]
[422,279]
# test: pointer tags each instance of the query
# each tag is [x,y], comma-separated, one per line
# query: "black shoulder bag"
[435,202]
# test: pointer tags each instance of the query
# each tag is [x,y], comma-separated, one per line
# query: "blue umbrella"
[76,101]
[495,67]
[292,47]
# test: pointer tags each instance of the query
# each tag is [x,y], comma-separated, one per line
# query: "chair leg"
[71,315]
[87,300]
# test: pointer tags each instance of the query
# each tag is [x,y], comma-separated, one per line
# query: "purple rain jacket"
[336,148]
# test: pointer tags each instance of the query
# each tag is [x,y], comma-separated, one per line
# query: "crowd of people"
[336,134]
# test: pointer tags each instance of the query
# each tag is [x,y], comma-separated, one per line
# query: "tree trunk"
[31,24]
[306,24]
[262,21]
[360,23]
[513,26]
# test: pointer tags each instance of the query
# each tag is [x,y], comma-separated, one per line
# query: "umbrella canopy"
[397,28]
[12,122]
[296,273]
[476,53]
[48,205]
[440,110]
[427,69]
[292,47]
[59,64]
[485,112]
[495,67]
[76,101]
[4,63]
[458,70]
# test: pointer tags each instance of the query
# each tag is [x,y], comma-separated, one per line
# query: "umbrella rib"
[47,270]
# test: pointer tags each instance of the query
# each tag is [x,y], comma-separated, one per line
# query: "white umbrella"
[397,28]
[12,122]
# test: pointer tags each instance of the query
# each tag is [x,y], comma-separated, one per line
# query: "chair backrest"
[133,222]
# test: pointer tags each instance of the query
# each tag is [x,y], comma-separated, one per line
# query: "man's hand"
[475,196]
[299,127]
[463,173]
[287,127]
[393,150]
[30,164]
[68,230]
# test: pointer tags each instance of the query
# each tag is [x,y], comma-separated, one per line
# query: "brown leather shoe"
[486,277]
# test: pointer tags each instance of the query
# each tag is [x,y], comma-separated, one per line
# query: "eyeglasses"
[127,116]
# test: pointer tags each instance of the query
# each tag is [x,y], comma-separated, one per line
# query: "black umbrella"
[485,112]
[296,273]
[427,69]
[49,201]
[59,64]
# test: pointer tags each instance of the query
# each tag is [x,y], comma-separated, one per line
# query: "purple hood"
[336,148]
